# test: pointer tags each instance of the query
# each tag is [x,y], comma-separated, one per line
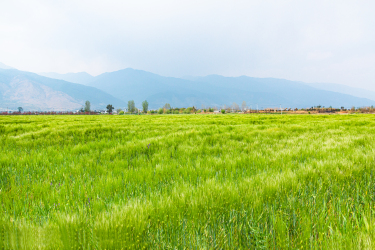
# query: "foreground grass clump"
[187,182]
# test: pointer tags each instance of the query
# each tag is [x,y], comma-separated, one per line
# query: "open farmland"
[187,182]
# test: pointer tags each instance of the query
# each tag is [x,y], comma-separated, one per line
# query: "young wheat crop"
[187,182]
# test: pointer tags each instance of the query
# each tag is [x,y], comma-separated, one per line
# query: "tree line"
[167,109]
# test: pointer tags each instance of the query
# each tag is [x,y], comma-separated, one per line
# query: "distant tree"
[121,112]
[223,111]
[82,110]
[131,106]
[20,109]
[188,110]
[118,111]
[145,106]
[110,108]
[243,106]
[87,106]
[235,106]
[160,111]
[167,106]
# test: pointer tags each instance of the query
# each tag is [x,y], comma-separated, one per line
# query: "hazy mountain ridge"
[344,89]
[215,90]
[138,85]
[86,79]
[287,93]
[80,77]
[35,92]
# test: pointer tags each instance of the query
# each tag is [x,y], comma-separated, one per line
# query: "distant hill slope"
[214,90]
[344,89]
[287,93]
[3,66]
[81,77]
[35,92]
[138,85]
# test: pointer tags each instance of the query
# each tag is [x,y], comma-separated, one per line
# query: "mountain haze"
[344,89]
[285,92]
[215,90]
[138,85]
[35,92]
[3,66]
[81,77]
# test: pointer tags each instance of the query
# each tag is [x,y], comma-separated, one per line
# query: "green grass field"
[187,182]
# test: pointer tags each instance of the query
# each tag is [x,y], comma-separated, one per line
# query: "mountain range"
[344,89]
[81,77]
[38,93]
[46,91]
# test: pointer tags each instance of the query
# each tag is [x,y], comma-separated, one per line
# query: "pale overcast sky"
[312,41]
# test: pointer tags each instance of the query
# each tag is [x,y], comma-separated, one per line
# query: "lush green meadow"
[187,182]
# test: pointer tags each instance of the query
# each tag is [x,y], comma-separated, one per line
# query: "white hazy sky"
[312,41]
